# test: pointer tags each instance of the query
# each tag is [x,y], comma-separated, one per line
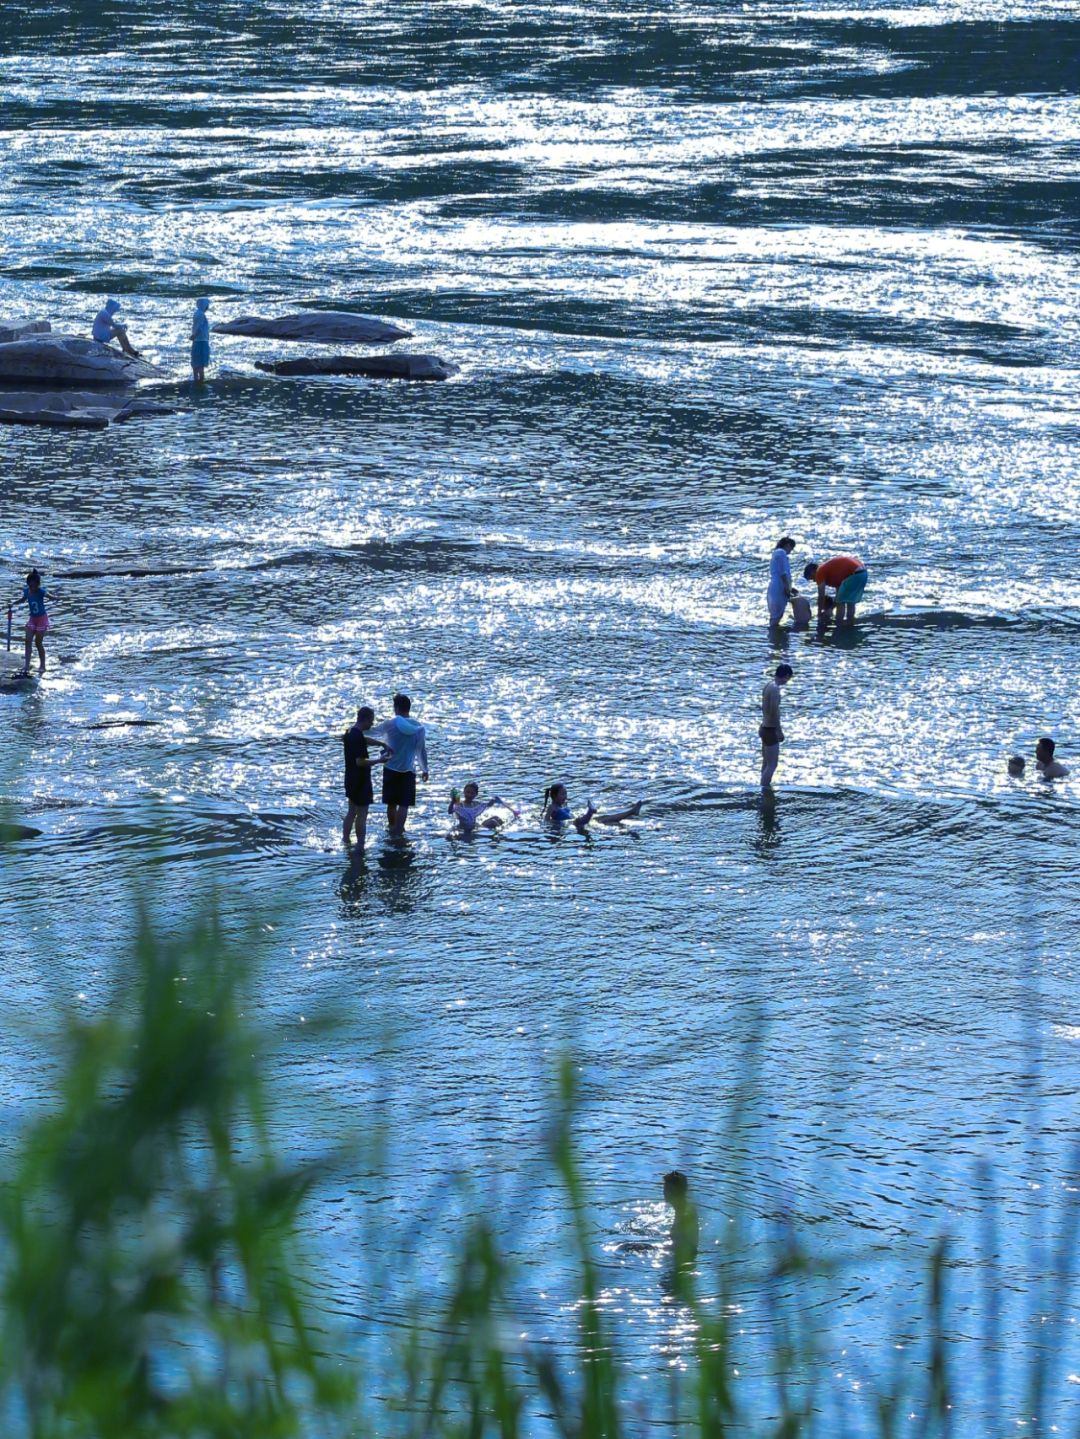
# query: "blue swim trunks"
[851,590]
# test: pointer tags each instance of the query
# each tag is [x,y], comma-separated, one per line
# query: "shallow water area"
[712,274]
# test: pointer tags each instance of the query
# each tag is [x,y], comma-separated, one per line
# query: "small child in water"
[1045,763]
[800,610]
[684,1225]
[467,810]
[37,626]
[557,811]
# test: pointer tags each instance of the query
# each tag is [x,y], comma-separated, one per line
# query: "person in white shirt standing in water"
[770,732]
[406,740]
[779,591]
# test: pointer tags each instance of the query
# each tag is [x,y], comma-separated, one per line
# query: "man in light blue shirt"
[406,739]
[106,329]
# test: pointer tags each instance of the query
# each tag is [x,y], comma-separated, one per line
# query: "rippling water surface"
[712,273]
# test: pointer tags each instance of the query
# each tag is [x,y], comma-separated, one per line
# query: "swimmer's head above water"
[675,1186]
[472,792]
[1016,765]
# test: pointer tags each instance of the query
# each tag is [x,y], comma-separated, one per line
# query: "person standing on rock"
[200,341]
[106,329]
[37,626]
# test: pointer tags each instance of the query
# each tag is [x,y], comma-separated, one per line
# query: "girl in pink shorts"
[37,626]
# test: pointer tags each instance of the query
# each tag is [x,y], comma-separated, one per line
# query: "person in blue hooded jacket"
[200,340]
[106,329]
[406,739]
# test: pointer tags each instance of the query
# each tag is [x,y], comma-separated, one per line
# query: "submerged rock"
[17,332]
[69,359]
[401,367]
[73,409]
[320,327]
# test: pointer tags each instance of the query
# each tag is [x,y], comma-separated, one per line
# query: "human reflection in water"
[392,883]
[767,839]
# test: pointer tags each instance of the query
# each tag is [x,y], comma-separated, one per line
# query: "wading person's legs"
[770,758]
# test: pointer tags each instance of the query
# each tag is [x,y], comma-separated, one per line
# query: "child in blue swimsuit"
[557,811]
[37,626]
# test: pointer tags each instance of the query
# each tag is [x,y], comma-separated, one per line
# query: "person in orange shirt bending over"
[847,575]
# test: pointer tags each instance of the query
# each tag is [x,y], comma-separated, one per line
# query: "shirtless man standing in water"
[772,736]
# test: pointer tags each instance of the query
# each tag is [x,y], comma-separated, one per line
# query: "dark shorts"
[358,788]
[770,735]
[398,786]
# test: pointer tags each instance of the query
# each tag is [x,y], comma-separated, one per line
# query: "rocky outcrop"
[73,409]
[400,367]
[319,327]
[10,833]
[69,360]
[16,332]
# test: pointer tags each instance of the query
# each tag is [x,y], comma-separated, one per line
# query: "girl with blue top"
[37,626]
[557,810]
[200,341]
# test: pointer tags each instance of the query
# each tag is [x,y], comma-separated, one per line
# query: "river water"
[711,273]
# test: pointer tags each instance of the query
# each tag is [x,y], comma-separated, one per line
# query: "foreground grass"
[152,1278]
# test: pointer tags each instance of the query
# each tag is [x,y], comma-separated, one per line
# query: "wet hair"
[471,785]
[1016,764]
[1045,742]
[365,710]
[675,1182]
[810,571]
[784,671]
[787,543]
[33,578]
[549,793]
[402,704]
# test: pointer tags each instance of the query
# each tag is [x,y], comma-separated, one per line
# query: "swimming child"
[468,810]
[37,626]
[684,1225]
[556,810]
[1045,763]
[1016,766]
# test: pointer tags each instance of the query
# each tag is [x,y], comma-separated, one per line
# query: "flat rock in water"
[401,366]
[70,360]
[18,331]
[320,327]
[9,833]
[73,409]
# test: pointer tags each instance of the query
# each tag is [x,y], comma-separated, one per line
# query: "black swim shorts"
[398,786]
[358,788]
[769,734]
